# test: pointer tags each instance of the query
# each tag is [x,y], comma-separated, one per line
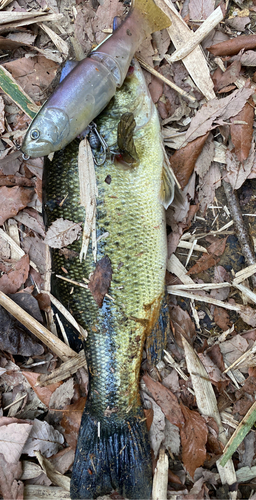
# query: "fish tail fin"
[156,19]
[112,454]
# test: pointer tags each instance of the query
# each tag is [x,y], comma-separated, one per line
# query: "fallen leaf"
[247,58]
[215,250]
[230,75]
[205,158]
[100,280]
[193,437]
[43,393]
[233,349]
[71,421]
[32,219]
[63,460]
[62,396]
[62,233]
[42,69]
[43,438]
[221,318]
[200,9]
[10,487]
[156,431]
[166,400]
[183,160]
[15,338]
[182,325]
[248,315]
[207,186]
[233,45]
[12,200]
[215,375]
[13,436]
[241,133]
[236,172]
[216,110]
[11,281]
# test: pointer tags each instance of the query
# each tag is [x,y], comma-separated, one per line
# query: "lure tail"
[112,454]
[154,17]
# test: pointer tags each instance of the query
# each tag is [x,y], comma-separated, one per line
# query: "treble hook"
[103,143]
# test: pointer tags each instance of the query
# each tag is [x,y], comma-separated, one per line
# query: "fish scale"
[113,430]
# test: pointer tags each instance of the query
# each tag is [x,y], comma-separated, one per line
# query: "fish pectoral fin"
[169,183]
[125,141]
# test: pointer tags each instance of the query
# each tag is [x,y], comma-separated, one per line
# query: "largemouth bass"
[113,450]
[86,91]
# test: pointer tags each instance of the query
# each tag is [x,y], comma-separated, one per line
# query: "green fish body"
[113,450]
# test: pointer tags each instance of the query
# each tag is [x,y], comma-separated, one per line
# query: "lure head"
[47,132]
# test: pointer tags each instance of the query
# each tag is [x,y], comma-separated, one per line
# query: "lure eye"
[35,134]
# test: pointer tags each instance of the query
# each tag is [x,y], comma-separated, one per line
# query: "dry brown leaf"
[248,58]
[248,315]
[230,75]
[182,325]
[183,160]
[43,393]
[12,200]
[166,400]
[200,9]
[236,172]
[43,437]
[62,396]
[13,436]
[71,421]
[100,280]
[43,70]
[215,375]
[233,45]
[13,279]
[62,233]
[221,318]
[32,219]
[215,250]
[193,437]
[156,431]
[241,133]
[10,487]
[215,110]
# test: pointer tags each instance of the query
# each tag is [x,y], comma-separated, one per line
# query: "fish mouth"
[37,149]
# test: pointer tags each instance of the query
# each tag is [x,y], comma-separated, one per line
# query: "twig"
[165,80]
[208,25]
[64,371]
[240,229]
[52,342]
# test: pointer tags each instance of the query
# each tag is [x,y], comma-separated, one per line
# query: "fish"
[134,186]
[88,88]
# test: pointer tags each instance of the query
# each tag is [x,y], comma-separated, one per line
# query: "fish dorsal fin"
[169,182]
[125,139]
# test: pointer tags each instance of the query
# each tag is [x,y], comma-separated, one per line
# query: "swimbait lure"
[88,88]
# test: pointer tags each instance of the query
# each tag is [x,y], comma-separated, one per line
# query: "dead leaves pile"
[209,136]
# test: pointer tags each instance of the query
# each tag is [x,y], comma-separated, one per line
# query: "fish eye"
[35,134]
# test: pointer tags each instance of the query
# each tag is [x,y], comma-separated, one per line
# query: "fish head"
[47,132]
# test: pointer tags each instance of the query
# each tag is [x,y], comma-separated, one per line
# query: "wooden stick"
[165,80]
[208,25]
[56,345]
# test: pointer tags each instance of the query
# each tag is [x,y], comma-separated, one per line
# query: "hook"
[103,143]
